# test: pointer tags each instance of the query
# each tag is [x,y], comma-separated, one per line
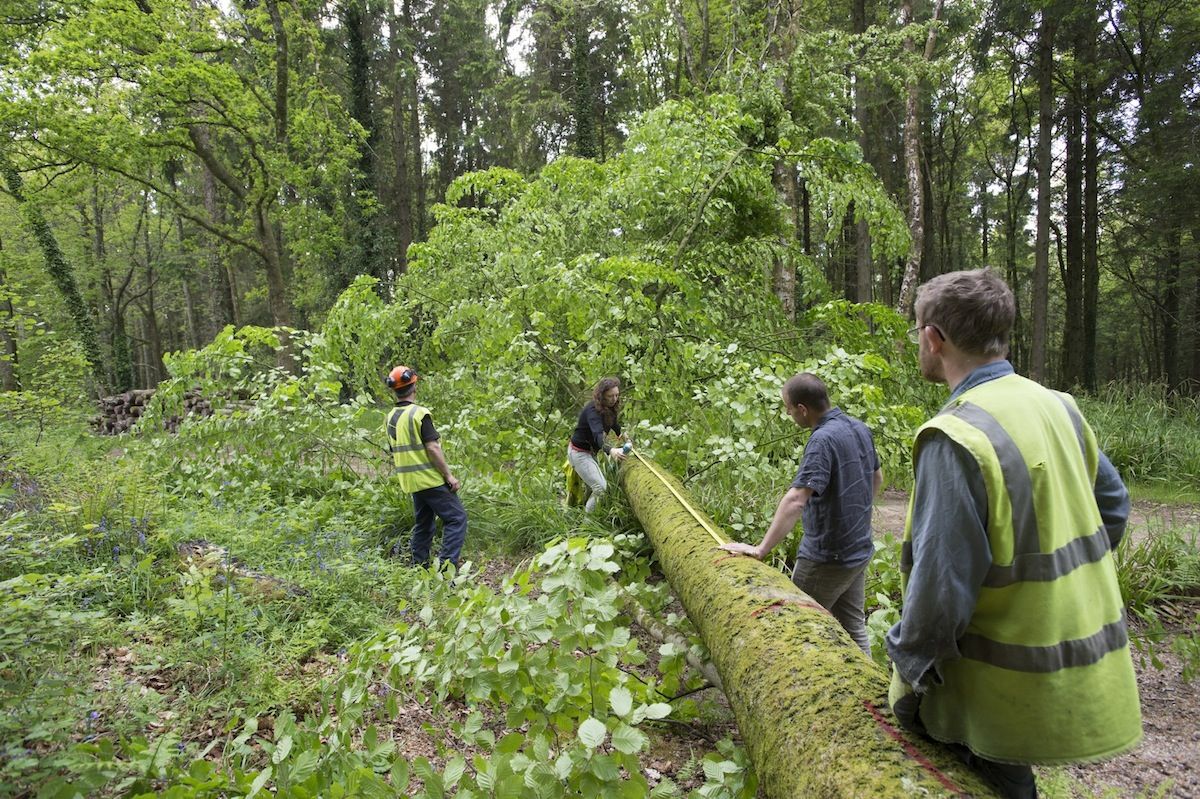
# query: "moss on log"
[812,710]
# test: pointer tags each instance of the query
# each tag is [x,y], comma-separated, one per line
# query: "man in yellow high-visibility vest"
[421,470]
[1012,643]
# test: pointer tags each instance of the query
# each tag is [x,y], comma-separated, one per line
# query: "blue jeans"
[430,505]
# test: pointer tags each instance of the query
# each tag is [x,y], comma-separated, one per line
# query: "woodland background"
[174,167]
[258,208]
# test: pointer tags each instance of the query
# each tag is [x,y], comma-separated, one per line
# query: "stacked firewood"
[120,412]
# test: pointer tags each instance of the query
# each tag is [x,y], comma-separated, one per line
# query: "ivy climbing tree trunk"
[811,709]
[56,263]
[8,333]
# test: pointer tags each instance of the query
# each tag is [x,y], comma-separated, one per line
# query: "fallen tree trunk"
[811,709]
[663,635]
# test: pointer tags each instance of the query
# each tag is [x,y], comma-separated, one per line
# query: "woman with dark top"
[598,417]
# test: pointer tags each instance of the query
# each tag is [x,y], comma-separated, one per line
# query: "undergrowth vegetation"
[229,610]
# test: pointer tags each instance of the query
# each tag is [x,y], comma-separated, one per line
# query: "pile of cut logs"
[120,412]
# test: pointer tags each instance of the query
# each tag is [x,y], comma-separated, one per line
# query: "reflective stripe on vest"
[1049,602]
[412,466]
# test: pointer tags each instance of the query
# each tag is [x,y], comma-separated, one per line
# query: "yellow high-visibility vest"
[1045,674]
[413,468]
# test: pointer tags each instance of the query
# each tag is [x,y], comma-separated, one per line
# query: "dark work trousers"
[1010,780]
[430,505]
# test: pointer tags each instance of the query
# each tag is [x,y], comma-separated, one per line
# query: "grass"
[1149,435]
[1165,493]
[123,618]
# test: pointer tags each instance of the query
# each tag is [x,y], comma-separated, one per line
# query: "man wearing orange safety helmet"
[421,470]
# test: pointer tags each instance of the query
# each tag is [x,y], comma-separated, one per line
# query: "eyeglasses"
[914,333]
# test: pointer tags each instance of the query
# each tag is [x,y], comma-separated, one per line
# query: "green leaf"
[510,743]
[658,710]
[454,771]
[304,765]
[621,700]
[259,782]
[628,739]
[399,774]
[281,749]
[592,732]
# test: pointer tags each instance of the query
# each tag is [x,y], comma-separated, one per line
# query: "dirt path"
[1145,519]
[1168,758]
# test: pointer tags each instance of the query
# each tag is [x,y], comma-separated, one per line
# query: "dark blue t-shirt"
[839,465]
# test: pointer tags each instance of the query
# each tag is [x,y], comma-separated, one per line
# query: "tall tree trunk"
[806,217]
[226,303]
[401,48]
[683,64]
[865,271]
[984,221]
[9,380]
[1171,307]
[269,230]
[780,36]
[1041,270]
[585,120]
[1073,290]
[912,162]
[189,300]
[784,277]
[762,632]
[1195,381]
[154,344]
[1091,213]
[415,137]
[60,271]
[357,21]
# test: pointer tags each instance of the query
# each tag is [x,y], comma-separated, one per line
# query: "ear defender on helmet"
[400,377]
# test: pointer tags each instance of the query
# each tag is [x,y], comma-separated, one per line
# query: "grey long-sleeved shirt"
[944,585]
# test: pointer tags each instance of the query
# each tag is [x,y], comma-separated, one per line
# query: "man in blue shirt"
[838,479]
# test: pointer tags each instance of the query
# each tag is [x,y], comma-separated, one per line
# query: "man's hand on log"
[738,548]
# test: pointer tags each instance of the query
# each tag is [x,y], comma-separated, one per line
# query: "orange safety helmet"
[401,377]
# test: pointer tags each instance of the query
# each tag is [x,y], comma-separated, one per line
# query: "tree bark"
[581,74]
[189,300]
[784,277]
[225,301]
[1072,343]
[417,165]
[984,221]
[1169,315]
[401,48]
[1194,387]
[358,22]
[865,271]
[811,709]
[1091,233]
[9,380]
[1041,270]
[60,271]
[912,163]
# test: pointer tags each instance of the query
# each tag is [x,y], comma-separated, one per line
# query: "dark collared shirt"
[839,465]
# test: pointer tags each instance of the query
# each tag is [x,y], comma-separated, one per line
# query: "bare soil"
[1167,763]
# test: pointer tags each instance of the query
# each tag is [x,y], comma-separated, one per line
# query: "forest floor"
[1167,762]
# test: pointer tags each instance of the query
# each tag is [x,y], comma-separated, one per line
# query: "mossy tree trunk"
[812,710]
